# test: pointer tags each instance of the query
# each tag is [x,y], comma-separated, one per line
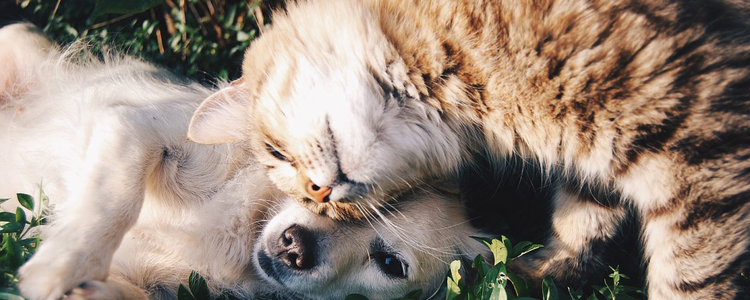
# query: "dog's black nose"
[296,248]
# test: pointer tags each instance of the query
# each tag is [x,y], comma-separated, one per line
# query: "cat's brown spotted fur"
[645,102]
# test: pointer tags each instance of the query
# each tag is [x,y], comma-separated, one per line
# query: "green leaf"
[20,216]
[629,289]
[508,245]
[14,254]
[454,281]
[122,7]
[455,268]
[625,297]
[520,285]
[184,294]
[453,290]
[198,286]
[498,248]
[29,242]
[355,297]
[10,296]
[601,289]
[498,293]
[499,251]
[495,277]
[592,297]
[529,249]
[518,248]
[575,294]
[2,200]
[44,200]
[549,289]
[11,227]
[7,216]
[26,201]
[242,36]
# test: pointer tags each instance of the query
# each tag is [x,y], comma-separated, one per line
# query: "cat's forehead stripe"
[286,74]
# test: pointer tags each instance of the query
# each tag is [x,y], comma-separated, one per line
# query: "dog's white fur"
[136,207]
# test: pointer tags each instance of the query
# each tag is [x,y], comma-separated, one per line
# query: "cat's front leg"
[693,256]
[581,228]
[105,202]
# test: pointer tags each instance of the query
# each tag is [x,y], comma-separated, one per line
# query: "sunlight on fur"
[136,207]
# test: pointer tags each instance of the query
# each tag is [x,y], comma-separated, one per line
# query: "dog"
[135,207]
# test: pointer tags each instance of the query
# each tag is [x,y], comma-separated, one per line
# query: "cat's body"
[643,102]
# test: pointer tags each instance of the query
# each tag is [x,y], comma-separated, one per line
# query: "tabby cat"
[638,104]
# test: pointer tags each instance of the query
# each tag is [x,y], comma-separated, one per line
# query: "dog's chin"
[267,268]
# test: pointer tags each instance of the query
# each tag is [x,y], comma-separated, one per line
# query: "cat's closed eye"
[272,150]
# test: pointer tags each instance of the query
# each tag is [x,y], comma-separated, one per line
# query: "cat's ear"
[222,117]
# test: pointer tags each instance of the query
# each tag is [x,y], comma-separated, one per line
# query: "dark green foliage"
[102,7]
[19,239]
[203,39]
[197,289]
[492,280]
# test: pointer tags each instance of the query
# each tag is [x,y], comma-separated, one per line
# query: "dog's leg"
[113,289]
[105,203]
[581,227]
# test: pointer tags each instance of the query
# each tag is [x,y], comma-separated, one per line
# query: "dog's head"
[383,256]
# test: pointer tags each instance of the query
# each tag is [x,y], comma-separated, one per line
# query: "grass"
[201,39]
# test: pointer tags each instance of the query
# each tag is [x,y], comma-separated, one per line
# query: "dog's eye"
[276,153]
[390,264]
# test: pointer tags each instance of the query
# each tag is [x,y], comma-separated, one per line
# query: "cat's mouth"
[337,210]
[348,199]
[344,210]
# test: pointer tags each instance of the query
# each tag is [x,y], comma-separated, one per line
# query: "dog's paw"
[115,289]
[54,270]
[90,290]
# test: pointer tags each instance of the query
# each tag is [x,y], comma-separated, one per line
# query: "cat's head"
[332,112]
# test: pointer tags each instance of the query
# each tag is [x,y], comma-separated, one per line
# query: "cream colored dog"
[136,207]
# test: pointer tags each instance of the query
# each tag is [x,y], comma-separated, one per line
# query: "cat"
[630,104]
[135,208]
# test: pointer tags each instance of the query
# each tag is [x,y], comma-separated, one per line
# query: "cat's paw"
[565,268]
[529,269]
[53,270]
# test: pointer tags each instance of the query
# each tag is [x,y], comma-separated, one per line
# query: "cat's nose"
[318,193]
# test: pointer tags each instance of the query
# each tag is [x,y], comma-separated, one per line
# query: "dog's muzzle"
[293,253]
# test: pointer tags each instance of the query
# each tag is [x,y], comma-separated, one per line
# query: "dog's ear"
[222,117]
[24,48]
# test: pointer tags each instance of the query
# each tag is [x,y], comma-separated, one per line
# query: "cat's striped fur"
[644,101]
